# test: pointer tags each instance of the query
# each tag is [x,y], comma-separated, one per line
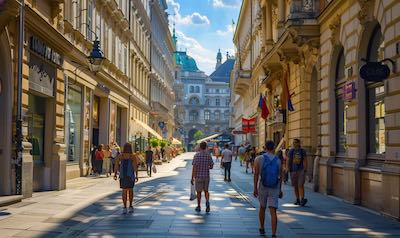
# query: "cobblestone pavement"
[91,207]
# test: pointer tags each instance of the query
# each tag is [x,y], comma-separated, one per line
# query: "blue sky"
[204,26]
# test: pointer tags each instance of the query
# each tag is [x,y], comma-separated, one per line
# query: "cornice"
[142,13]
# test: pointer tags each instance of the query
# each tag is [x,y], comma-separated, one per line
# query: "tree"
[163,143]
[154,142]
[198,135]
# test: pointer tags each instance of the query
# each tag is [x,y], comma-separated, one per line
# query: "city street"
[91,207]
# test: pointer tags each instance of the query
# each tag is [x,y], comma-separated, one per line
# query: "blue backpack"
[270,172]
[126,174]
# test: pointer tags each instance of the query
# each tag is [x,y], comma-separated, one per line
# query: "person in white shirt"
[226,162]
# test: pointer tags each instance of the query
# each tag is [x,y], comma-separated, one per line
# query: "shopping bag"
[192,192]
[154,169]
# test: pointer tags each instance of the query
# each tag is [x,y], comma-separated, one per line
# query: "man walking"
[297,164]
[149,160]
[226,162]
[202,163]
[267,185]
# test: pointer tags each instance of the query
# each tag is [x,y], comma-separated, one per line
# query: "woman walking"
[99,156]
[127,166]
[107,160]
[149,160]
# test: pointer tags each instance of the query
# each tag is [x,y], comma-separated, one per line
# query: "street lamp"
[96,57]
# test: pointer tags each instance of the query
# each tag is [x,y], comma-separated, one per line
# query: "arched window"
[207,101]
[191,89]
[341,120]
[197,89]
[375,100]
[217,115]
[227,102]
[194,101]
[207,115]
[193,116]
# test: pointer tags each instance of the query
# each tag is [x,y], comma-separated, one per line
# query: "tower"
[219,59]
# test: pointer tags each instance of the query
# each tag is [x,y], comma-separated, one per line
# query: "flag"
[264,110]
[288,98]
[260,102]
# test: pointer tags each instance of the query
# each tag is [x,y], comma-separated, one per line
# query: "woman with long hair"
[126,165]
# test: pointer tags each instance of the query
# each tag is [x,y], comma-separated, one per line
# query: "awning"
[176,142]
[208,138]
[149,129]
[238,131]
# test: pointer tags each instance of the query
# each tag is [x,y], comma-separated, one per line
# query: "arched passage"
[6,177]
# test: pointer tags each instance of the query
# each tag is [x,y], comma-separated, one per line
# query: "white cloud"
[193,19]
[227,3]
[228,31]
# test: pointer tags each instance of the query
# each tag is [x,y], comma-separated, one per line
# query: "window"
[217,115]
[197,89]
[227,102]
[217,102]
[89,20]
[207,102]
[207,115]
[98,26]
[191,89]
[217,90]
[194,101]
[226,114]
[193,116]
[375,101]
[341,120]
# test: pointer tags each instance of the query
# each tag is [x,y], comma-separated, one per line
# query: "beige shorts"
[298,178]
[202,184]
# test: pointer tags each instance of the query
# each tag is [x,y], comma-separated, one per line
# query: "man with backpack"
[268,185]
[297,164]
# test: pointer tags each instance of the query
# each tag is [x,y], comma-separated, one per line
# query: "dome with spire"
[187,63]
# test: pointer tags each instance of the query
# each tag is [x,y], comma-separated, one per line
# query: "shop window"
[73,122]
[341,120]
[375,100]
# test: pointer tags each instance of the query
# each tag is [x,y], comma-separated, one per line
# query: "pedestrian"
[202,163]
[107,160]
[162,153]
[115,151]
[242,152]
[168,153]
[247,157]
[226,162]
[297,164]
[253,155]
[99,156]
[126,165]
[217,152]
[93,159]
[149,160]
[268,185]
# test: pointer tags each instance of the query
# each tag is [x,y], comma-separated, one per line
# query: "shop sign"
[103,88]
[349,91]
[39,47]
[374,71]
[41,76]
[249,125]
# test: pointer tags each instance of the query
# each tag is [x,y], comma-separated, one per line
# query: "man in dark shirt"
[297,165]
[149,160]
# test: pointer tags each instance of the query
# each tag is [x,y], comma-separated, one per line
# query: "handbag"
[154,169]
[192,192]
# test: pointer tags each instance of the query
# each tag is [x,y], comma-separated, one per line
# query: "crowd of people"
[271,167]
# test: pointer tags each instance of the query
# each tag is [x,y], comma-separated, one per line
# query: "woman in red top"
[99,156]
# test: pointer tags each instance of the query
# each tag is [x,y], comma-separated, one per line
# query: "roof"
[187,62]
[223,72]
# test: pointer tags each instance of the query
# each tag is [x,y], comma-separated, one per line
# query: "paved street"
[91,207]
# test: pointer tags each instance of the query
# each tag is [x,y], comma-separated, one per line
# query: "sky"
[203,27]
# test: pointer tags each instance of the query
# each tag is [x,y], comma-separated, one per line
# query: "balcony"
[242,81]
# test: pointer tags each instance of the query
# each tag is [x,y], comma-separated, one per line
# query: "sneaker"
[262,232]
[207,206]
[229,180]
[125,211]
[198,209]
[225,179]
[297,202]
[130,209]
[303,202]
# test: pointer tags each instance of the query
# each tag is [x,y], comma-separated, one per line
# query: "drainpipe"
[18,136]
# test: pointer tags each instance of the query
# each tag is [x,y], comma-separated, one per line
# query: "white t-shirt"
[227,155]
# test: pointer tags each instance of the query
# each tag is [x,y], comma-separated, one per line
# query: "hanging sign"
[249,125]
[349,91]
[374,71]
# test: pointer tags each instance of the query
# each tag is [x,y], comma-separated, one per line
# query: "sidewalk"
[323,216]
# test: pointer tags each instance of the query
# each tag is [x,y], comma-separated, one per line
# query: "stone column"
[281,16]
[27,170]
[268,25]
[58,167]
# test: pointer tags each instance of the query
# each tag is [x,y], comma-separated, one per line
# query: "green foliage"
[154,142]
[163,143]
[198,135]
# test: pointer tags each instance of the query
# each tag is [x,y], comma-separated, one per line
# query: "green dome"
[187,62]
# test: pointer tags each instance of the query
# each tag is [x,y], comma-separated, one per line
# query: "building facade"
[163,70]
[310,52]
[67,108]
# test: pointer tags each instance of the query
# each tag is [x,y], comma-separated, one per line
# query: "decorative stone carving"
[335,30]
[365,13]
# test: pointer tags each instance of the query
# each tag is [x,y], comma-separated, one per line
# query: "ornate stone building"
[66,106]
[311,52]
[163,69]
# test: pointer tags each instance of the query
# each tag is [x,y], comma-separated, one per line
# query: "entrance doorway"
[96,121]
